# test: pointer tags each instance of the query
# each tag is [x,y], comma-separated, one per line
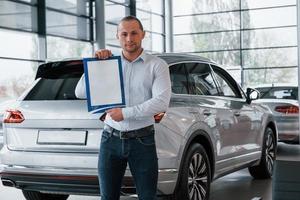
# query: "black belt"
[142,132]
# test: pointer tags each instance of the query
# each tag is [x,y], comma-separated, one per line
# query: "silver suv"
[211,129]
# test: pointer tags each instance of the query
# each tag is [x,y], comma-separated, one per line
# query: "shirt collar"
[142,57]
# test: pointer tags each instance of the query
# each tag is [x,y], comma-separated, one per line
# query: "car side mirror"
[251,94]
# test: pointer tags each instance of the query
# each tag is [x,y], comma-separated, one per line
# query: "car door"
[245,130]
[170,132]
[213,111]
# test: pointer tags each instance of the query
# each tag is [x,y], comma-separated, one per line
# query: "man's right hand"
[103,53]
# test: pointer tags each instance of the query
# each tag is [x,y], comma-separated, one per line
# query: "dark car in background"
[282,99]
[210,129]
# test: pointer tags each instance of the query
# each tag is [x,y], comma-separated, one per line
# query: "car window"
[54,89]
[278,93]
[179,79]
[56,81]
[225,86]
[200,79]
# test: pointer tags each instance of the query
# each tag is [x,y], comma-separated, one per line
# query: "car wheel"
[194,180]
[33,195]
[265,168]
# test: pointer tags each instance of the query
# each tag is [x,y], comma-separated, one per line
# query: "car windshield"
[278,92]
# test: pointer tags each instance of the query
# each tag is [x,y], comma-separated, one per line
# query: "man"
[128,135]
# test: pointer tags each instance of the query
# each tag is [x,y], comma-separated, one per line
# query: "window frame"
[230,81]
[186,75]
[210,73]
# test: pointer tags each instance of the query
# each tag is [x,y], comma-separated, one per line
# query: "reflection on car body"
[205,134]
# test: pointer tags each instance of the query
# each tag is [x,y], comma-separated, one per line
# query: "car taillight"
[13,116]
[158,117]
[287,109]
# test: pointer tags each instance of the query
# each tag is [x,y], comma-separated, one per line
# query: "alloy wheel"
[197,178]
[270,152]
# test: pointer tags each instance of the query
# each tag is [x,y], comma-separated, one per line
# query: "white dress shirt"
[147,89]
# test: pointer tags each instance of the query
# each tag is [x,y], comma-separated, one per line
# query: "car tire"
[195,175]
[34,195]
[265,168]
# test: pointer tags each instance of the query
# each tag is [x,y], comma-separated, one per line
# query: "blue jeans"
[140,153]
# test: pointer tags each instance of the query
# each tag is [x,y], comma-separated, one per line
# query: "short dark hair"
[132,18]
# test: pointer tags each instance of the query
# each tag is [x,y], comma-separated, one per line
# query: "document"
[104,83]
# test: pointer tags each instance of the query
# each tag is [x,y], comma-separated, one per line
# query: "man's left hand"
[116,114]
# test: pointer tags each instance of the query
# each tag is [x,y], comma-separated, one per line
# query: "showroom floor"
[236,186]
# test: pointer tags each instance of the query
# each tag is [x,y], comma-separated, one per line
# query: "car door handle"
[237,113]
[206,112]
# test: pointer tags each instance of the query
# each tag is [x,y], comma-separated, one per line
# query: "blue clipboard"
[104,86]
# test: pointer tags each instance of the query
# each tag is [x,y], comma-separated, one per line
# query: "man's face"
[130,36]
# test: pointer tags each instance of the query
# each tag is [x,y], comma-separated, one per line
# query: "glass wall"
[19,47]
[22,16]
[65,30]
[255,40]
[69,28]
[151,14]
[114,12]
[17,77]
[269,42]
[58,47]
[68,34]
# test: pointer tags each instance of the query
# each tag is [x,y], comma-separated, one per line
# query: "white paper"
[104,82]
